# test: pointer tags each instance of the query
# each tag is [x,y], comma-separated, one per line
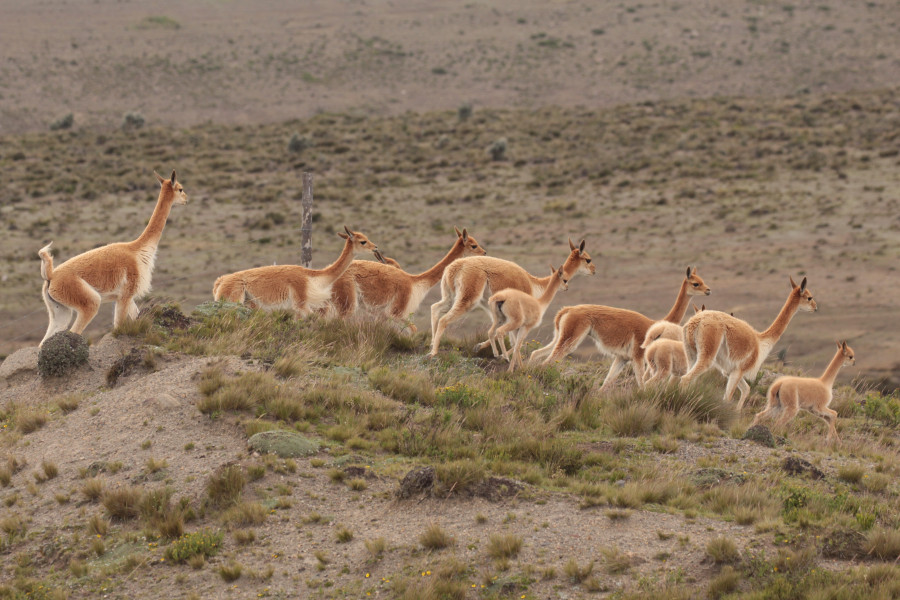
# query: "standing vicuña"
[522,313]
[787,395]
[289,286]
[466,280]
[120,272]
[616,332]
[731,345]
[392,291]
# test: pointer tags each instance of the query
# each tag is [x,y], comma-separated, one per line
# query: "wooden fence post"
[306,202]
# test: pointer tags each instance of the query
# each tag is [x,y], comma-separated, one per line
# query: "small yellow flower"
[367,575]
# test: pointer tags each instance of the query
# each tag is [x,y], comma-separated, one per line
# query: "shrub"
[464,112]
[61,354]
[883,408]
[132,120]
[203,543]
[497,149]
[298,143]
[64,122]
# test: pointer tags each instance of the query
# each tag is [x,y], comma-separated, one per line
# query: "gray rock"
[20,361]
[285,444]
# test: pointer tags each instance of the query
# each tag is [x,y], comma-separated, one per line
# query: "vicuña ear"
[803,285]
[581,247]
[688,273]
[844,346]
[173,175]
[793,285]
[159,177]
[343,235]
[703,307]
[349,233]
[571,245]
[458,232]
[838,344]
[465,235]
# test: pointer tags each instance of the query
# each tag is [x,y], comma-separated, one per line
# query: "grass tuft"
[435,538]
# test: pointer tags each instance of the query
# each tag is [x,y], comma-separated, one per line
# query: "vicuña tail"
[46,262]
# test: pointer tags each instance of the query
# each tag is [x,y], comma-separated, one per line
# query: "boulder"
[286,444]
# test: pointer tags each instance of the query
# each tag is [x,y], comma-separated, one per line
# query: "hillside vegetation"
[136,475]
[750,191]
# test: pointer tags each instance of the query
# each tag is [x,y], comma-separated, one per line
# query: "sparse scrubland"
[653,491]
[644,129]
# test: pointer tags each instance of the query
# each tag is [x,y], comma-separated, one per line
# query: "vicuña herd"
[515,300]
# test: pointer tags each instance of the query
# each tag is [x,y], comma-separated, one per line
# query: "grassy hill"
[134,474]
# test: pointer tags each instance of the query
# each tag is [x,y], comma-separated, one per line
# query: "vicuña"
[519,313]
[391,291]
[731,345]
[117,272]
[291,287]
[787,395]
[616,332]
[467,280]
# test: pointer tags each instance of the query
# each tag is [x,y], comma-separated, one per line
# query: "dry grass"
[92,489]
[122,503]
[435,538]
[504,545]
[722,550]
[225,486]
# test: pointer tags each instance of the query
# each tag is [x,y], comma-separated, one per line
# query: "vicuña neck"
[153,231]
[834,366]
[681,305]
[778,327]
[337,268]
[552,287]
[433,275]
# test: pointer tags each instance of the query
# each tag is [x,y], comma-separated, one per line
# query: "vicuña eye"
[696,285]
[588,261]
[363,243]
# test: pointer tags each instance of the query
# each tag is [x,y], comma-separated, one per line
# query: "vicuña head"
[179,197]
[360,243]
[578,261]
[696,286]
[804,296]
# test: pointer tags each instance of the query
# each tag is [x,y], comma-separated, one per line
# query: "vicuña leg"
[461,306]
[566,339]
[707,347]
[87,307]
[614,370]
[125,307]
[60,316]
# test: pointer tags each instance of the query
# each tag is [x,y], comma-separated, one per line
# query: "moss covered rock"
[761,435]
[62,354]
[285,444]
